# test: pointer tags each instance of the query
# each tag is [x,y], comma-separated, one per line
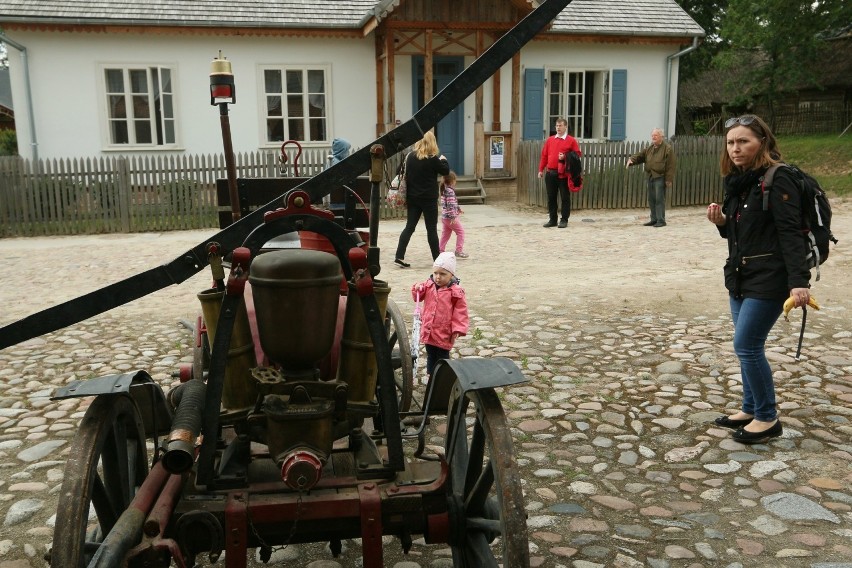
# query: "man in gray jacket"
[659,160]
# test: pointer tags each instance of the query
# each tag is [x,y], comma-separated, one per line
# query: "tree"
[779,41]
[707,14]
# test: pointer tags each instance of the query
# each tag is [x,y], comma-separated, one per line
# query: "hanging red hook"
[283,157]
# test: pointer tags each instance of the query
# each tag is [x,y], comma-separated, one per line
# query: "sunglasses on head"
[744,120]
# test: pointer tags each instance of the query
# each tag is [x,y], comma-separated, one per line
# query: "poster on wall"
[497,152]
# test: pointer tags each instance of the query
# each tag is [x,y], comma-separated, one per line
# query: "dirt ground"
[604,263]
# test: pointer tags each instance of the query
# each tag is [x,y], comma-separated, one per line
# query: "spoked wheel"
[106,464]
[400,346]
[488,520]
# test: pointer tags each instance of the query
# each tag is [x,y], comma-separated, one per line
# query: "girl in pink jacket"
[444,315]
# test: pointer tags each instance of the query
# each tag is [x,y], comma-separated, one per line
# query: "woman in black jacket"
[766,264]
[422,168]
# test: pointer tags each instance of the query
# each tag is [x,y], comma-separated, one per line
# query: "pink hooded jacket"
[444,313]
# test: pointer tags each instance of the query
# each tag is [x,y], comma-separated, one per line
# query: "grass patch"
[827,157]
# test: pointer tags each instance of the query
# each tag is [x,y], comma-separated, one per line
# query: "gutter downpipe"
[28,88]
[669,60]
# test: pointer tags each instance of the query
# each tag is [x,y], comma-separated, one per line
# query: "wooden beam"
[391,55]
[427,69]
[480,91]
[381,60]
[516,87]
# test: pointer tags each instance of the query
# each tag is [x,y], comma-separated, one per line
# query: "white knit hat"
[447,261]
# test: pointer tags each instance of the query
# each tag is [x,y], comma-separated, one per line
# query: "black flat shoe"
[402,263]
[746,437]
[726,422]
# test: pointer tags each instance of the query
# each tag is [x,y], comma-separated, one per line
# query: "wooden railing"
[608,184]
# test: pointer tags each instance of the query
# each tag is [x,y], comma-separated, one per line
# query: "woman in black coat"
[766,264]
[422,168]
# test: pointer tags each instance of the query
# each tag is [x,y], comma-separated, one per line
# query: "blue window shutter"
[618,112]
[533,104]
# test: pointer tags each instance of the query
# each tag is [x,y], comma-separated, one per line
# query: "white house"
[125,76]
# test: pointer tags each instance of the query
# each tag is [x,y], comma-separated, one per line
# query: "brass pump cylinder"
[357,365]
[240,389]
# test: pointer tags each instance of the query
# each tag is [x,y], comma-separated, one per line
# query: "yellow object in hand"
[790,303]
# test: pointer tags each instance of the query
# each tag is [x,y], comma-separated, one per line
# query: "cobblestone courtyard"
[624,335]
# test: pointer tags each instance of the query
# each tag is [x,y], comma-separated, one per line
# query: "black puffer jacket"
[766,248]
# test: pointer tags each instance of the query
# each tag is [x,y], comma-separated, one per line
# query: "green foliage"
[707,14]
[826,157]
[700,127]
[8,143]
[774,45]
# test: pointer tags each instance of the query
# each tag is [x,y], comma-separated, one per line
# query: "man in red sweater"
[556,150]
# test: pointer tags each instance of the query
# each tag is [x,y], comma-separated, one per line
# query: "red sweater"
[551,149]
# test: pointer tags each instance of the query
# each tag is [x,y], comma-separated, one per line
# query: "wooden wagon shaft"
[194,260]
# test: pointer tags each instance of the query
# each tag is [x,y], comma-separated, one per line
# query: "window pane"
[272,81]
[170,131]
[114,81]
[294,82]
[297,129]
[294,106]
[140,107]
[273,106]
[316,81]
[118,132]
[317,129]
[143,131]
[275,130]
[117,108]
[317,107]
[138,81]
[168,110]
[166,79]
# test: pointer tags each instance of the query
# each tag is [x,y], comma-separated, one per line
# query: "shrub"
[8,143]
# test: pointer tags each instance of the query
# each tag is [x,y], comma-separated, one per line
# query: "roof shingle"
[608,17]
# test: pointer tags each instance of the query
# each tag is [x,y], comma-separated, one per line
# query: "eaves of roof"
[651,18]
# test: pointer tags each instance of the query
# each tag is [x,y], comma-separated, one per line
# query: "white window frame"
[162,120]
[568,100]
[266,98]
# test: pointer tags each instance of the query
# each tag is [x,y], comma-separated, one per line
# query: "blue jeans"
[753,320]
[657,198]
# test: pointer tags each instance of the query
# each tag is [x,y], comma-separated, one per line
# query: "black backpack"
[816,214]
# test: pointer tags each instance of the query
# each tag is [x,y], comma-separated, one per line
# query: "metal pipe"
[127,531]
[669,60]
[29,91]
[230,166]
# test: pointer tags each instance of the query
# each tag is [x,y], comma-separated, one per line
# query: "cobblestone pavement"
[627,367]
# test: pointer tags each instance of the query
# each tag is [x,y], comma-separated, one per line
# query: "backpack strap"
[766,183]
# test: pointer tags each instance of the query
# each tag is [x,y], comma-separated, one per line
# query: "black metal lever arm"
[195,259]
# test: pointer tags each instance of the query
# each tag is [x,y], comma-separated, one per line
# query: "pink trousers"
[451,226]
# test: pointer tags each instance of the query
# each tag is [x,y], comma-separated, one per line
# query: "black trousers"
[557,188]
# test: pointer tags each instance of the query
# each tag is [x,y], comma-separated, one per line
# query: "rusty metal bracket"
[371,524]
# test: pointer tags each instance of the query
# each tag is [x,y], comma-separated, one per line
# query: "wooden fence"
[163,193]
[130,194]
[608,184]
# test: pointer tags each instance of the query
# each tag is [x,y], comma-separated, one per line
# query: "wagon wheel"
[106,464]
[400,347]
[486,498]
